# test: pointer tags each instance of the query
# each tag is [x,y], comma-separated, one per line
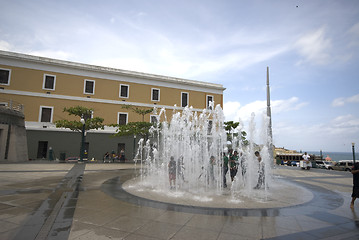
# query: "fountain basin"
[281,194]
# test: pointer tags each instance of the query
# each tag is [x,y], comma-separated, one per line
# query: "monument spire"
[269,115]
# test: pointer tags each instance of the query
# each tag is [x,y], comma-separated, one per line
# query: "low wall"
[13,141]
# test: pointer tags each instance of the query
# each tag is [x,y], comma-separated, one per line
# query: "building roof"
[108,70]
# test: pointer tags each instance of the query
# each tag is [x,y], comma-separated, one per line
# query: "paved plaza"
[86,201]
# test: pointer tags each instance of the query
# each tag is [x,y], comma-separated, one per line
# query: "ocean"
[336,156]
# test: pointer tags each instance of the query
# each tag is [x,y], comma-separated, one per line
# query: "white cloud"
[230,110]
[353,34]
[314,47]
[353,99]
[233,110]
[290,104]
[330,136]
[51,54]
[338,102]
[5,46]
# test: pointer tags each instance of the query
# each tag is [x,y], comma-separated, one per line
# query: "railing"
[10,104]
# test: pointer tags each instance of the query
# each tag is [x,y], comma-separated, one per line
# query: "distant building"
[44,86]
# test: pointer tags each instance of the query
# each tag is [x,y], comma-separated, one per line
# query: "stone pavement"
[86,201]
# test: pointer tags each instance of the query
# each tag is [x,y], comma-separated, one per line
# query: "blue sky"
[311,48]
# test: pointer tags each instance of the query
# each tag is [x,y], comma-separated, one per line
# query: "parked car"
[328,164]
[319,164]
[342,165]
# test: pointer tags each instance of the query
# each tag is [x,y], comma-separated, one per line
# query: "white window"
[49,82]
[209,100]
[5,75]
[153,119]
[155,94]
[122,118]
[89,86]
[184,99]
[46,114]
[124,90]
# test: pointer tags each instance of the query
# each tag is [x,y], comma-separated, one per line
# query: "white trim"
[159,94]
[9,79]
[187,99]
[44,81]
[207,105]
[88,80]
[118,117]
[39,126]
[52,113]
[85,99]
[128,90]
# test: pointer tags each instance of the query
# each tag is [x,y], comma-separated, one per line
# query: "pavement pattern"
[86,201]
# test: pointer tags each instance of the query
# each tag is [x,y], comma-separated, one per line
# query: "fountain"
[197,142]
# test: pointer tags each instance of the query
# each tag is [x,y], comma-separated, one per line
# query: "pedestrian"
[172,172]
[233,162]
[261,176]
[212,162]
[243,164]
[306,157]
[180,168]
[305,163]
[113,155]
[225,169]
[355,193]
[106,157]
[122,155]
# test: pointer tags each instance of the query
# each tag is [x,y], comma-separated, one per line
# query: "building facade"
[46,86]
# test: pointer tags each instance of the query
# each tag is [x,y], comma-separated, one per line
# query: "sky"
[311,49]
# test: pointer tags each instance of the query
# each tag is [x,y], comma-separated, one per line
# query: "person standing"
[305,163]
[113,155]
[122,155]
[172,172]
[225,169]
[261,176]
[233,164]
[212,162]
[355,193]
[306,157]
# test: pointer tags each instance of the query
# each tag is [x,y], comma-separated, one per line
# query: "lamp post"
[353,144]
[134,147]
[82,139]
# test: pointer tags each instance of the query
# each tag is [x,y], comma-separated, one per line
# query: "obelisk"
[269,115]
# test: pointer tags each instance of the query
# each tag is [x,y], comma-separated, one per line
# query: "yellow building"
[45,86]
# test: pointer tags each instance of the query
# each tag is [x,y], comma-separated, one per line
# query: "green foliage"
[90,123]
[230,125]
[133,128]
[233,125]
[139,111]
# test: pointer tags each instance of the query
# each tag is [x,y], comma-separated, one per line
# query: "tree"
[229,126]
[76,125]
[139,111]
[135,128]
[88,123]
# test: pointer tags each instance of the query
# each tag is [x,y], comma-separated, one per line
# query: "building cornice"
[107,70]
